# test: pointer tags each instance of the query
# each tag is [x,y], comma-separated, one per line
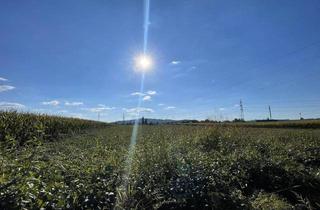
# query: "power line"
[277,59]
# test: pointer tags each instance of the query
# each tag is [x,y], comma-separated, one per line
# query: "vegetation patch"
[173,167]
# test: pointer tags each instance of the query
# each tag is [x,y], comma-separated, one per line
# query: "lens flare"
[143,63]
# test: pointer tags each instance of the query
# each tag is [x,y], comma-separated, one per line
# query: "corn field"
[173,166]
[16,129]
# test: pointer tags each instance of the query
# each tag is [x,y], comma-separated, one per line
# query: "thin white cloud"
[175,62]
[193,68]
[41,111]
[146,98]
[136,111]
[75,115]
[161,104]
[75,103]
[222,109]
[100,108]
[6,88]
[151,92]
[179,75]
[3,79]
[51,103]
[106,107]
[137,94]
[10,105]
[170,107]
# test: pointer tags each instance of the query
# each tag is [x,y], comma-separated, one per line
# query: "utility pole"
[270,114]
[123,119]
[98,116]
[241,111]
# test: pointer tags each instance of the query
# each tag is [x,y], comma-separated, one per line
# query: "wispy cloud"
[175,62]
[161,104]
[106,107]
[146,98]
[139,110]
[51,103]
[192,68]
[170,107]
[6,88]
[41,111]
[151,92]
[99,108]
[222,109]
[11,105]
[148,93]
[76,115]
[186,71]
[73,103]
[178,75]
[3,79]
[186,68]
[137,94]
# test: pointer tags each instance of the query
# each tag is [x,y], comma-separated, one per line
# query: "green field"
[173,166]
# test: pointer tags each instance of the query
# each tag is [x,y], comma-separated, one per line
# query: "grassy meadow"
[60,163]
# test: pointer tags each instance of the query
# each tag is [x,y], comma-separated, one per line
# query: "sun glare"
[143,63]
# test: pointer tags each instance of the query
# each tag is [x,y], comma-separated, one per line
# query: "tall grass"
[20,128]
[173,167]
[298,124]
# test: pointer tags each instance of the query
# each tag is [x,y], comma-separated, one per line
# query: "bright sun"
[143,63]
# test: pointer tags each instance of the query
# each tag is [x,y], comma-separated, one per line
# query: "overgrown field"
[17,129]
[306,124]
[297,124]
[173,167]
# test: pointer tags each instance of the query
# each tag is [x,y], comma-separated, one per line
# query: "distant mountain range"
[147,121]
[154,121]
[169,121]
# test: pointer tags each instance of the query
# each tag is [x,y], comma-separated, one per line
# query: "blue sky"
[75,58]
